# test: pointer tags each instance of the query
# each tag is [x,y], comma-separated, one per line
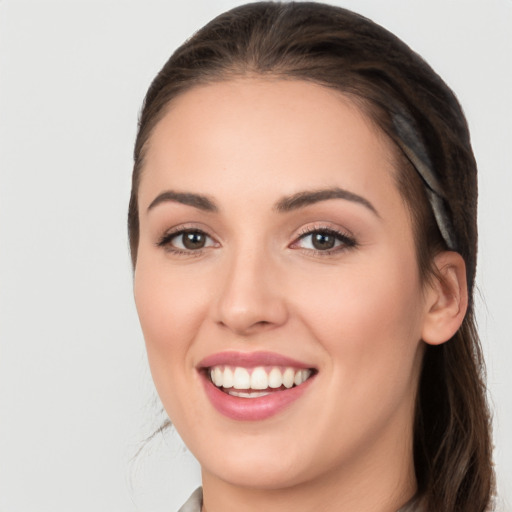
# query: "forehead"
[289,133]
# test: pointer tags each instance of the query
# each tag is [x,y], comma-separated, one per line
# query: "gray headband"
[414,149]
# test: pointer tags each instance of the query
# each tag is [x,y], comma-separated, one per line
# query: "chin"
[268,474]
[265,461]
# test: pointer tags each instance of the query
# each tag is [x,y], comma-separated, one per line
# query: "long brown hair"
[339,49]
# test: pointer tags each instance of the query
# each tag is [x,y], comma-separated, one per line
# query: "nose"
[252,298]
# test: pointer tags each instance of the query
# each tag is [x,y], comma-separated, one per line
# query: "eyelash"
[346,241]
[168,237]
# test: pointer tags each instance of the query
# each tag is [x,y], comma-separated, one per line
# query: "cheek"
[367,317]
[369,325]
[171,308]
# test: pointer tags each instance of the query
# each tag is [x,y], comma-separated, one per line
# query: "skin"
[357,314]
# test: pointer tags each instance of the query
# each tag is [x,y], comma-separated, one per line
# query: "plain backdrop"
[76,398]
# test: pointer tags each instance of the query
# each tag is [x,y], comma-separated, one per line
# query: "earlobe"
[447,299]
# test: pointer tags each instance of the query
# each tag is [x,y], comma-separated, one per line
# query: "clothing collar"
[195,502]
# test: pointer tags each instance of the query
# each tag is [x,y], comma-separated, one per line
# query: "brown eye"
[323,241]
[193,240]
[187,240]
[327,241]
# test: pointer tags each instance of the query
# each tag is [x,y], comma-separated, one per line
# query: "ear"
[447,298]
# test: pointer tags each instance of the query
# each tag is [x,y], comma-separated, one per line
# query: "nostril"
[247,328]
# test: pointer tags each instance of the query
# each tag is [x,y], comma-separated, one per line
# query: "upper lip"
[250,360]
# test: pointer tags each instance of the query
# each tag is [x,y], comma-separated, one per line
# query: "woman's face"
[277,259]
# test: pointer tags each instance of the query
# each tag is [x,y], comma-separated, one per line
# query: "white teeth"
[256,379]
[288,377]
[217,376]
[259,378]
[227,378]
[301,376]
[275,378]
[245,394]
[241,378]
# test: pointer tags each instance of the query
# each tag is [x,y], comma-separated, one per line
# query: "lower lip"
[252,409]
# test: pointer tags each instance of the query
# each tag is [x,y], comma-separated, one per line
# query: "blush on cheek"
[170,311]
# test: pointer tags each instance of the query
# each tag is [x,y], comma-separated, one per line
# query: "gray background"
[76,398]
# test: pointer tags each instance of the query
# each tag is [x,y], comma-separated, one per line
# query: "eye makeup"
[186,241]
[324,241]
[318,239]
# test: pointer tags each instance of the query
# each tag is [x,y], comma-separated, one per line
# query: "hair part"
[344,51]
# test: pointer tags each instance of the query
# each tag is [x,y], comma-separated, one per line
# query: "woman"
[303,233]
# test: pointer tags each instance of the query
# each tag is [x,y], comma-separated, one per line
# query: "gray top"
[195,502]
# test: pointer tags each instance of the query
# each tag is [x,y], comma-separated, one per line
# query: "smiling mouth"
[256,382]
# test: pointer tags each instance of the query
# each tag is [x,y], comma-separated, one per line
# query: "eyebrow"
[308,197]
[196,200]
[286,204]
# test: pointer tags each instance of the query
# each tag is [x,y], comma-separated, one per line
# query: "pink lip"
[250,360]
[251,409]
